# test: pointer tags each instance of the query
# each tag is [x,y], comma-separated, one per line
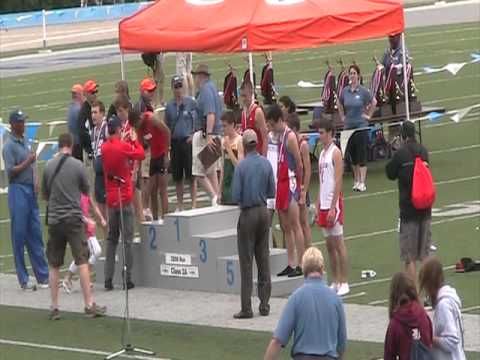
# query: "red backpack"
[423,187]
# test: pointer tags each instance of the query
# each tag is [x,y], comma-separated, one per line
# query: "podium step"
[229,276]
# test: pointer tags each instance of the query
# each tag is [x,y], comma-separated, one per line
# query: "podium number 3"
[230,273]
[152,237]
[203,250]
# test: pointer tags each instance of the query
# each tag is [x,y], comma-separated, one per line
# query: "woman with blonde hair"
[448,341]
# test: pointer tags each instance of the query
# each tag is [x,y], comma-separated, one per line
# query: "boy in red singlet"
[253,117]
[289,178]
[330,206]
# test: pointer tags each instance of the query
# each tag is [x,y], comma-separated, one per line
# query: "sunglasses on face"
[178,86]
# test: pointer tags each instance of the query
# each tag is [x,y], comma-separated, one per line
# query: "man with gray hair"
[314,314]
[253,184]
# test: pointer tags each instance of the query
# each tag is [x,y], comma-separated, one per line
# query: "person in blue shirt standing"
[74,112]
[253,184]
[314,314]
[180,115]
[22,202]
[207,128]
[356,106]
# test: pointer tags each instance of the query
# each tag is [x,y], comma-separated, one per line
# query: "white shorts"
[336,230]
[271,204]
[184,63]
[198,144]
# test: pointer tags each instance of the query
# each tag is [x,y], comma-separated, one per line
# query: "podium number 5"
[203,250]
[230,273]
[152,236]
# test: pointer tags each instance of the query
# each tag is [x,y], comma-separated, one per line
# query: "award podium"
[195,250]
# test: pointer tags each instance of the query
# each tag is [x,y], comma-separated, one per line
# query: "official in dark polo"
[253,184]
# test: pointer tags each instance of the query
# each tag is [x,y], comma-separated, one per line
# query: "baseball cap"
[147,84]
[249,137]
[77,88]
[177,79]
[17,116]
[201,69]
[114,123]
[90,86]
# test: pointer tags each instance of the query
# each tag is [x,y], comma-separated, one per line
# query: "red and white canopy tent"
[231,26]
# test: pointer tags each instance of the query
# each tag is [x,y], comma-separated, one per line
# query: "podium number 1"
[230,273]
[203,250]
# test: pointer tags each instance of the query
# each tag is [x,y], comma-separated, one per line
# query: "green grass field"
[371,218]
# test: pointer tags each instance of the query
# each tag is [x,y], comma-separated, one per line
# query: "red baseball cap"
[90,86]
[148,84]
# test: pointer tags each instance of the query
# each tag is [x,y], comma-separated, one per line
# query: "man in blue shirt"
[253,184]
[315,316]
[180,115]
[207,127]
[22,203]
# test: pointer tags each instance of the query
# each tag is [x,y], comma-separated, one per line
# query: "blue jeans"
[26,231]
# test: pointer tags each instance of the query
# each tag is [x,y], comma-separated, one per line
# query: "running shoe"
[362,187]
[95,310]
[287,271]
[54,314]
[297,272]
[67,286]
[29,286]
[343,289]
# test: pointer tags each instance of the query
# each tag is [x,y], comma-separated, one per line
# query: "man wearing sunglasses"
[180,115]
[85,123]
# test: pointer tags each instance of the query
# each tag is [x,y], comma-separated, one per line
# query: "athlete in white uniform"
[330,207]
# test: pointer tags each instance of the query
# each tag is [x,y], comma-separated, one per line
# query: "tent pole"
[405,80]
[122,64]
[250,67]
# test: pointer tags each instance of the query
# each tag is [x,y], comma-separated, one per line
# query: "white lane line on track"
[395,229]
[70,349]
[391,191]
[471,308]
[378,302]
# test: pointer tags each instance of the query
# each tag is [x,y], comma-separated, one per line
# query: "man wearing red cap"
[117,156]
[147,93]
[73,113]
[85,123]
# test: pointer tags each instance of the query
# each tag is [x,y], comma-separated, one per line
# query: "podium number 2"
[152,237]
[230,273]
[203,250]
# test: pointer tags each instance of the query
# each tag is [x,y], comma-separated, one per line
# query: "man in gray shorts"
[64,180]
[415,232]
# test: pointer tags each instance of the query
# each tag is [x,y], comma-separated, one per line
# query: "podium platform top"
[203,211]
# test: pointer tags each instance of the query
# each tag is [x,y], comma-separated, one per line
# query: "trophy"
[377,89]
[230,95]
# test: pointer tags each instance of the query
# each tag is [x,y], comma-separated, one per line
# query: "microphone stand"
[128,347]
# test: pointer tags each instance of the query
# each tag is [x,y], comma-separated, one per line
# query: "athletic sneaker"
[158,222]
[355,186]
[334,286]
[29,286]
[67,286]
[147,214]
[362,187]
[433,247]
[287,271]
[54,314]
[43,285]
[215,201]
[343,289]
[297,272]
[95,310]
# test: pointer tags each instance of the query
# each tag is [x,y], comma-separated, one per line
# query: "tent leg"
[250,67]
[405,80]
[122,64]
